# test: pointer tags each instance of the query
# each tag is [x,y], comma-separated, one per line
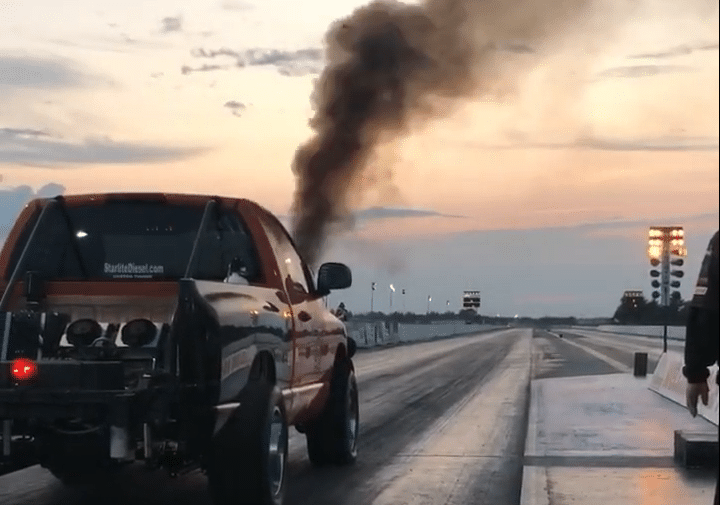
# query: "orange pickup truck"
[182,330]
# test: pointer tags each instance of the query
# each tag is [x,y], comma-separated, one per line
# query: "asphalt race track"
[442,422]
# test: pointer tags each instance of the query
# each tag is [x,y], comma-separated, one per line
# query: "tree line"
[641,312]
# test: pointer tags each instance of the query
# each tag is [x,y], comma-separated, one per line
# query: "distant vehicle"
[182,330]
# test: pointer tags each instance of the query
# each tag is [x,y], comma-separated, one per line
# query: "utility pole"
[372,292]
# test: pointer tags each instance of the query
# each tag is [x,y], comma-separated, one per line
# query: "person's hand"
[692,392]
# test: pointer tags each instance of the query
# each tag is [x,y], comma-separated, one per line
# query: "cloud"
[236,5]
[592,143]
[711,46]
[171,24]
[33,72]
[396,212]
[380,213]
[51,189]
[649,144]
[633,223]
[513,47]
[108,44]
[12,201]
[622,227]
[22,132]
[635,71]
[185,70]
[236,107]
[680,50]
[17,147]
[299,62]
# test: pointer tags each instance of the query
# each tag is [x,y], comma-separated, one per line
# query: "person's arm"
[701,344]
[701,336]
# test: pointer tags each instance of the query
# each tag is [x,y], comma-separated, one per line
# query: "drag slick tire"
[332,439]
[249,453]
[73,452]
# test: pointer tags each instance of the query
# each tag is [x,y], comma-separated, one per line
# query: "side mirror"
[333,276]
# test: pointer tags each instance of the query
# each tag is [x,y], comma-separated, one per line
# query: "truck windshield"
[114,240]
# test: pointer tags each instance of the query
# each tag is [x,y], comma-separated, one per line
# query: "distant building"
[471,300]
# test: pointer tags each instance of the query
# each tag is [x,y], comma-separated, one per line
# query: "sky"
[539,194]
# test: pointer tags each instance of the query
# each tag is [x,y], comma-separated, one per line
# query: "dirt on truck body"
[182,330]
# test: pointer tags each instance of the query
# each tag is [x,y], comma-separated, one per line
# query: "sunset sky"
[539,194]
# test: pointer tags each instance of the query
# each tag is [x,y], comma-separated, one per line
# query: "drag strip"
[441,422]
[450,431]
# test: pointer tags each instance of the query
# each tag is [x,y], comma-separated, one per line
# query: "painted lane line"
[620,367]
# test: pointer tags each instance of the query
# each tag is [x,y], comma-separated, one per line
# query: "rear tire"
[332,439]
[77,458]
[249,453]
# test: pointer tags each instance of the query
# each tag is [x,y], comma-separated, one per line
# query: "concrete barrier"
[369,334]
[668,381]
[381,333]
[674,332]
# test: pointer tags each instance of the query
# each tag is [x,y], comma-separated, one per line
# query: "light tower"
[663,243]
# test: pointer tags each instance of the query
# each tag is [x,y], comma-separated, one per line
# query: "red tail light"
[24,369]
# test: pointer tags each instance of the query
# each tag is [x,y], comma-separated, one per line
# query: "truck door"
[306,308]
[227,276]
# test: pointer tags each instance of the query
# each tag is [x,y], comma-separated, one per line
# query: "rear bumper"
[22,403]
[68,375]
[65,389]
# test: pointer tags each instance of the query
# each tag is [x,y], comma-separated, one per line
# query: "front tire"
[332,439]
[249,457]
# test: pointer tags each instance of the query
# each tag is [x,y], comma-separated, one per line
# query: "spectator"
[341,312]
[702,334]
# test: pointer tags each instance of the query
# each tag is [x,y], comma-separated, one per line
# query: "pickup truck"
[182,330]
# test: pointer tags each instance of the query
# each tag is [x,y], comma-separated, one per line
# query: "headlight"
[83,332]
[138,333]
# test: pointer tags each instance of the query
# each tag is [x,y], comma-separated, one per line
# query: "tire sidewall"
[330,439]
[239,469]
[275,410]
[344,409]
[349,411]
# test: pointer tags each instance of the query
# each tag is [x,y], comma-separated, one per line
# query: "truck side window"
[237,248]
[226,245]
[291,265]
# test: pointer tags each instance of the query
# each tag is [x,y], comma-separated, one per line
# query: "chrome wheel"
[277,451]
[353,416]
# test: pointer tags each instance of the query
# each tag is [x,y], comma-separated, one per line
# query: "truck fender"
[263,368]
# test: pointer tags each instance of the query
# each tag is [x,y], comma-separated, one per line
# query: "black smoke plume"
[391,66]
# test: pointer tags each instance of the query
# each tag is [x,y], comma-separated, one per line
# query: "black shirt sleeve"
[702,334]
